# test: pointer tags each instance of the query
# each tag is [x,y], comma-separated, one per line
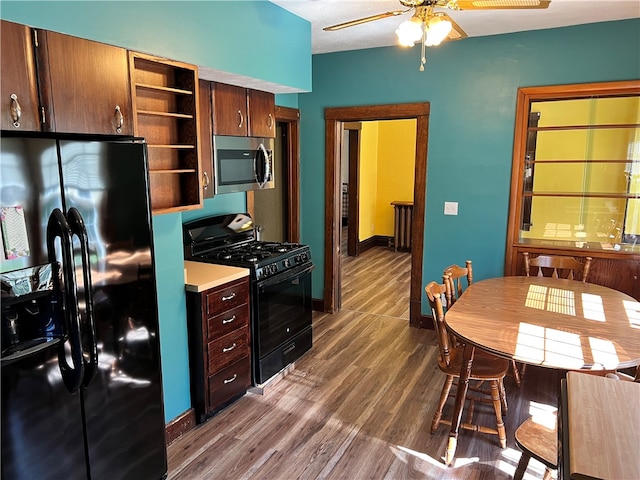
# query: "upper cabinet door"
[18,79]
[262,112]
[85,85]
[206,146]
[229,110]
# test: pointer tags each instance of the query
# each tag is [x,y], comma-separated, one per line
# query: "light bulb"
[409,32]
[437,31]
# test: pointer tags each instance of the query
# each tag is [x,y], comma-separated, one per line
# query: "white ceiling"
[381,33]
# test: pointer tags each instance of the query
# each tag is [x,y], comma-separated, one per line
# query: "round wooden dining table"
[550,322]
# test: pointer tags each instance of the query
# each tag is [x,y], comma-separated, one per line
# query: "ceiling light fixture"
[426,27]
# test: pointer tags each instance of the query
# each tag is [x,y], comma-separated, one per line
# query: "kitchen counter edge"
[201,276]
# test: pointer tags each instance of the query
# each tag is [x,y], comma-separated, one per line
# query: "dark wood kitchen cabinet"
[206,138]
[84,85]
[165,112]
[229,110]
[219,346]
[63,83]
[18,80]
[239,111]
[262,111]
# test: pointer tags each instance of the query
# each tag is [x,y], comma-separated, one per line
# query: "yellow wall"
[387,163]
[368,178]
[396,165]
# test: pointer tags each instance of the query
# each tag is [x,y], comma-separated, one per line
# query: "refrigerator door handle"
[58,227]
[76,223]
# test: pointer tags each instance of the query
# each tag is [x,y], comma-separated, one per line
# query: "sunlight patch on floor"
[402,453]
[535,469]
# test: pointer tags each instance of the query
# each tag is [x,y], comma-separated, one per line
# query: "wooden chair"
[485,368]
[560,266]
[452,277]
[539,441]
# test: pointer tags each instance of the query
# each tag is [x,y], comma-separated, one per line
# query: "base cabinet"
[219,346]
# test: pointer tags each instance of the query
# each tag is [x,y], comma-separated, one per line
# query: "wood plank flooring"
[359,404]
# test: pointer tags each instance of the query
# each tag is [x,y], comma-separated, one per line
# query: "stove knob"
[286,263]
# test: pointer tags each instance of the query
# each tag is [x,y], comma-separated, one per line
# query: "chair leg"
[443,399]
[497,406]
[503,397]
[516,372]
[547,474]
[522,466]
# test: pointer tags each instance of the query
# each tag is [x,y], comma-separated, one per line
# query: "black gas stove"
[280,282]
[230,240]
[264,259]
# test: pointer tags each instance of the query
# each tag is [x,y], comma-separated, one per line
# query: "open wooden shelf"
[165,106]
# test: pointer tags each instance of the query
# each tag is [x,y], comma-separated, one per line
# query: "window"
[576,171]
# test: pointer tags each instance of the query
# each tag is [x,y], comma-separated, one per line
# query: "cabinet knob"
[16,111]
[119,119]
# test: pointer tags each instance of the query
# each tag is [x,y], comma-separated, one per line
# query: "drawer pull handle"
[232,379]
[225,350]
[229,297]
[228,320]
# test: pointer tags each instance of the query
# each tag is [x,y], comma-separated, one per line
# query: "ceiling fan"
[431,27]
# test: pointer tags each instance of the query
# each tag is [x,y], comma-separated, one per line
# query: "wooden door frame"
[291,158]
[334,119]
[353,227]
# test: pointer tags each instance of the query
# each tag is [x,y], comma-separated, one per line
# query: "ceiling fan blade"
[501,4]
[456,32]
[360,21]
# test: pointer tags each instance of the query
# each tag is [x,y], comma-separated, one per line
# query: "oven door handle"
[287,275]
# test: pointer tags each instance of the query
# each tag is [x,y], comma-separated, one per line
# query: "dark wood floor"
[359,404]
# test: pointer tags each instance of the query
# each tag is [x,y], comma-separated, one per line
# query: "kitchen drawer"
[231,295]
[228,349]
[229,383]
[228,321]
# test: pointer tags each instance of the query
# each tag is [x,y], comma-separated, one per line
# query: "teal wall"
[471,85]
[203,32]
[250,38]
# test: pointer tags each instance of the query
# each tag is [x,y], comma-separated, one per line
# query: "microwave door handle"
[58,227]
[262,152]
[78,228]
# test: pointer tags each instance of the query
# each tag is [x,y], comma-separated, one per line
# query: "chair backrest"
[557,264]
[435,292]
[452,277]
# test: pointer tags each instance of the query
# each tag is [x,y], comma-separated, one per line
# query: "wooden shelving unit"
[165,104]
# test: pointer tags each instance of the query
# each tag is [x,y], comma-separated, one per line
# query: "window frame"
[525,97]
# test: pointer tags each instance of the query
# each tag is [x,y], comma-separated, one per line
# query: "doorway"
[278,210]
[335,118]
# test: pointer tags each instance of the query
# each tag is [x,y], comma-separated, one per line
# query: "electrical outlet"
[451,208]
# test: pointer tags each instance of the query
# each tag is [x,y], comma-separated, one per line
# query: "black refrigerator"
[81,378]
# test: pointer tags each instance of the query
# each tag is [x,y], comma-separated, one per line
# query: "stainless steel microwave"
[242,163]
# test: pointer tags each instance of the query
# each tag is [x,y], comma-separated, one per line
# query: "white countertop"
[200,276]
